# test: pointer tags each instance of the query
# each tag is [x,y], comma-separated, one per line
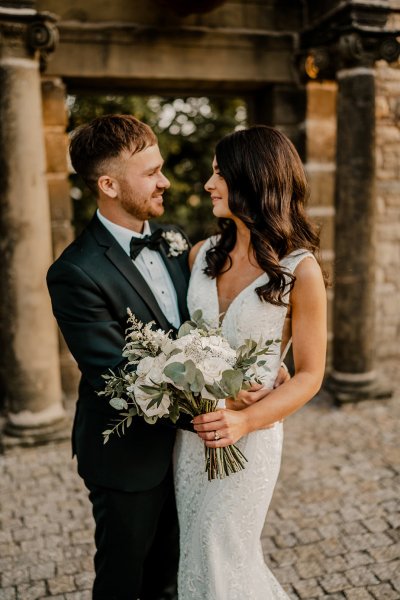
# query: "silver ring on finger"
[216,436]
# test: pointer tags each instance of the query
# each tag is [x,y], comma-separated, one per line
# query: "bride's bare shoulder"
[194,251]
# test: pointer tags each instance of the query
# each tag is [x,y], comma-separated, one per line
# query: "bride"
[258,277]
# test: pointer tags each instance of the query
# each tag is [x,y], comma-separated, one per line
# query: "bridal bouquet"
[164,377]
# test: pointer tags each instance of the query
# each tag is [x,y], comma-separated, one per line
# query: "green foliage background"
[187,129]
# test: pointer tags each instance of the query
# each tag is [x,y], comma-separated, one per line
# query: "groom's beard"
[141,207]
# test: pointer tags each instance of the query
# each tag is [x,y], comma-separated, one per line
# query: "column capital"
[353,35]
[26,32]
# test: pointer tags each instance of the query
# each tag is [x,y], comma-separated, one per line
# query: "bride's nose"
[209,185]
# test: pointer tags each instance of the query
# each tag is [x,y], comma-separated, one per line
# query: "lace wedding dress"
[221,521]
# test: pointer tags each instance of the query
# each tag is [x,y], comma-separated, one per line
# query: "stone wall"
[320,166]
[388,216]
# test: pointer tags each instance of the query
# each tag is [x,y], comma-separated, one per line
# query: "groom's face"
[141,183]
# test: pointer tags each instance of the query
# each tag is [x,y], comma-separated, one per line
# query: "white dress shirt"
[151,266]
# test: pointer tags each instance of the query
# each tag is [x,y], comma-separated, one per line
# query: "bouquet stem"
[220,462]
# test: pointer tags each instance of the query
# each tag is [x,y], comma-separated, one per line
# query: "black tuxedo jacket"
[91,285]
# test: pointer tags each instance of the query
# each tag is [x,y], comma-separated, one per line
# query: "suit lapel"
[121,261]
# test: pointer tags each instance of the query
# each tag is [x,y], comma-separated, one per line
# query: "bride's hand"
[221,428]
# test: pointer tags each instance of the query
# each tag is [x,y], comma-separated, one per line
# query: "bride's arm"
[309,332]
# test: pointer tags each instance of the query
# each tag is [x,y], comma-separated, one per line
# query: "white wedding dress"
[221,521]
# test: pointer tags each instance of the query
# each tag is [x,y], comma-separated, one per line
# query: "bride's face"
[218,190]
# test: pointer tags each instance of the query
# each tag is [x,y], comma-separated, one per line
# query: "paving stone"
[306,536]
[375,525]
[395,581]
[285,575]
[384,591]
[8,593]
[285,541]
[283,557]
[335,582]
[332,547]
[361,576]
[385,571]
[358,594]
[354,559]
[308,588]
[385,554]
[310,569]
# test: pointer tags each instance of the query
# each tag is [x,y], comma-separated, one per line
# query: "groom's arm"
[93,335]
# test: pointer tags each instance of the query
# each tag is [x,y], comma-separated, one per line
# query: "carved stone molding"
[354,34]
[27,32]
[348,51]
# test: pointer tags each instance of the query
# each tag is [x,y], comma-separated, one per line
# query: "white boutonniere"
[176,242]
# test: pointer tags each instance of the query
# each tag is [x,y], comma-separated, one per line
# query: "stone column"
[354,376]
[30,371]
[341,45]
[56,141]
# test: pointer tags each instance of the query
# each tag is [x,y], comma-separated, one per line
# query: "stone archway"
[253,48]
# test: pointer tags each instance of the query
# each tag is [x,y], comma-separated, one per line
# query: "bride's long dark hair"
[267,191]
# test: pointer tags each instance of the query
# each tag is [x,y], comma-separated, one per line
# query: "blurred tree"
[187,129]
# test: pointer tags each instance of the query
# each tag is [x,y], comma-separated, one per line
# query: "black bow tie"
[152,242]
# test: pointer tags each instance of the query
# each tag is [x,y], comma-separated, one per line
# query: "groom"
[121,260]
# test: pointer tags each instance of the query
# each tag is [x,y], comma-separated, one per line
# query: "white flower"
[143,399]
[176,242]
[212,369]
[150,373]
[151,368]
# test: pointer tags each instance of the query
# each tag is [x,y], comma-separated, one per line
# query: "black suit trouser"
[137,543]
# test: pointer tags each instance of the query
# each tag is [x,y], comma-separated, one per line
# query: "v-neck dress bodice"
[247,316]
[221,521]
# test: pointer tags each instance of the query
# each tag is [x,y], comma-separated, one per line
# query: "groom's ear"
[108,185]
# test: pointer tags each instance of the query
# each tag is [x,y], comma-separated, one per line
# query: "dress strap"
[292,260]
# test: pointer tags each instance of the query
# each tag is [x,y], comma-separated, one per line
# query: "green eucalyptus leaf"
[197,315]
[215,390]
[198,382]
[232,381]
[190,371]
[118,403]
[186,328]
[176,372]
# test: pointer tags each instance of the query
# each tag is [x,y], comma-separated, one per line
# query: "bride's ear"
[108,185]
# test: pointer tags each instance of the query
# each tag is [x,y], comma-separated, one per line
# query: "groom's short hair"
[104,138]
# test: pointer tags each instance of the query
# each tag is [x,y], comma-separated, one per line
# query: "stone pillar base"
[354,387]
[30,429]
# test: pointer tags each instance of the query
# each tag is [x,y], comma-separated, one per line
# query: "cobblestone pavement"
[332,530]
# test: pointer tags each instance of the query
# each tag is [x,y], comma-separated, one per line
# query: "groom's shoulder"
[81,252]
